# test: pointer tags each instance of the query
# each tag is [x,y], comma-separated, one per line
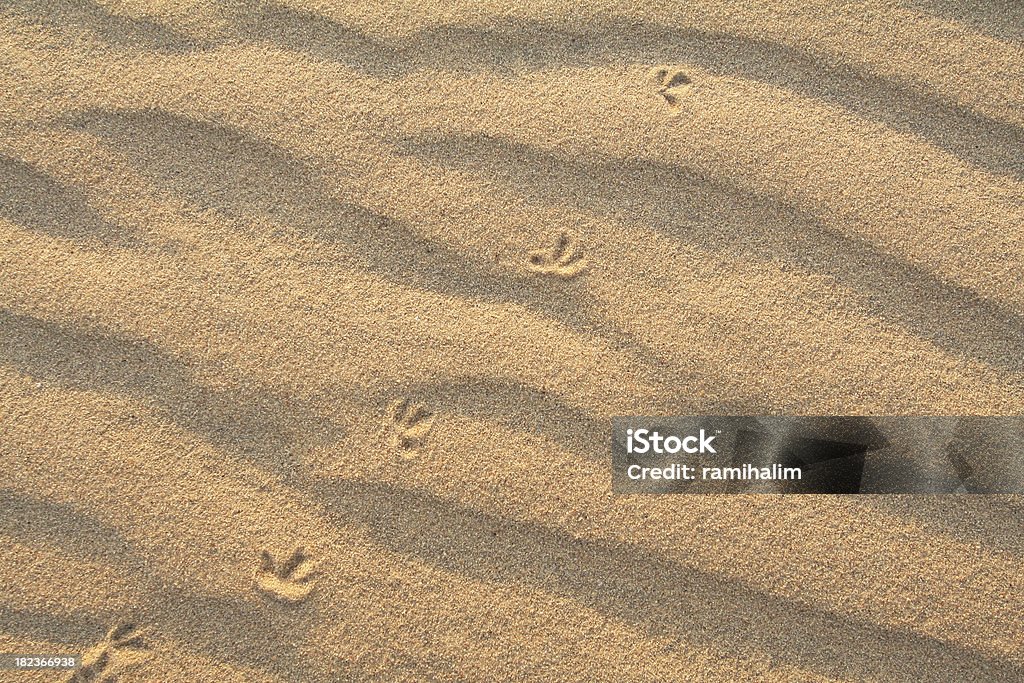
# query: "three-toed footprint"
[564,259]
[671,83]
[409,424]
[123,645]
[287,581]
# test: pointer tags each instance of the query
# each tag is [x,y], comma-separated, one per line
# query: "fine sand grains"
[313,317]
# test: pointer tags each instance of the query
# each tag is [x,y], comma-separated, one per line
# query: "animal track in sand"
[564,260]
[671,83]
[97,663]
[288,581]
[409,424]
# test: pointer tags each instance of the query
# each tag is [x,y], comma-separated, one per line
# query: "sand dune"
[313,317]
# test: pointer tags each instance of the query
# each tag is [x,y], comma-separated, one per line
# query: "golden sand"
[313,316]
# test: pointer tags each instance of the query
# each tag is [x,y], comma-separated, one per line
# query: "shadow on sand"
[40,202]
[245,177]
[243,420]
[714,214]
[74,17]
[524,45]
[652,593]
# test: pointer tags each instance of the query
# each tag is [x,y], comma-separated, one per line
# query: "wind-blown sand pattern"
[370,278]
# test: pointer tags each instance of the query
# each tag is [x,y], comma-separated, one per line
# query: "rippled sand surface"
[313,316]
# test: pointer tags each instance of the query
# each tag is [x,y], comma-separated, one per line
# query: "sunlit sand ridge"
[313,317]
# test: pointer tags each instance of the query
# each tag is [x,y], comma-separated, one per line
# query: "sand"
[313,317]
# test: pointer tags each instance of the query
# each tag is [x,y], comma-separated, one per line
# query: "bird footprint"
[289,581]
[97,662]
[670,82]
[409,424]
[564,260]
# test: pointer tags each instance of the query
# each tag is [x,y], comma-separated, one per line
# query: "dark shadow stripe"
[1002,19]
[521,44]
[240,630]
[246,177]
[74,17]
[74,629]
[659,596]
[716,215]
[39,522]
[38,201]
[995,522]
[515,405]
[242,419]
